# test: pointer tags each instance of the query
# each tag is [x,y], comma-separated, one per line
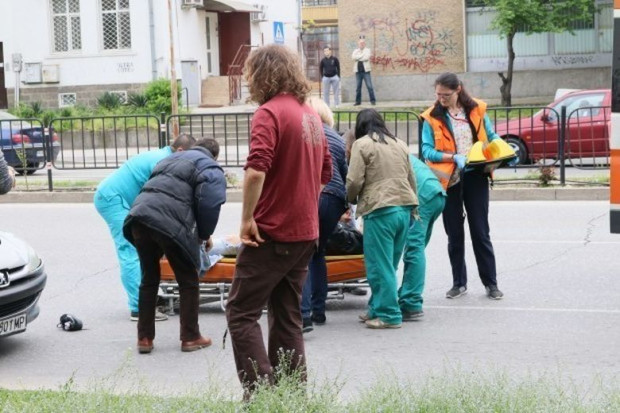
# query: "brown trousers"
[271,274]
[151,246]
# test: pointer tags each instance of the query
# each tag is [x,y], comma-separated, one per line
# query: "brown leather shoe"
[145,345]
[197,344]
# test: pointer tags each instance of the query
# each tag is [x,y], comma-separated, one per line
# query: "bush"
[109,101]
[157,94]
[137,100]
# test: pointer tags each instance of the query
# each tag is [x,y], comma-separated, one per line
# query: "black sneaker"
[307,325]
[318,319]
[356,104]
[412,315]
[494,293]
[456,292]
[355,291]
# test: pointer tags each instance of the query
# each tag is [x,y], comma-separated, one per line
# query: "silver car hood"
[13,251]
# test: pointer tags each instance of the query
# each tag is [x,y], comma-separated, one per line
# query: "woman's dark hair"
[369,122]
[452,82]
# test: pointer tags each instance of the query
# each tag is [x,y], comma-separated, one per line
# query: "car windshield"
[9,121]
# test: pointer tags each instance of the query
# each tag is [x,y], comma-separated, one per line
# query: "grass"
[451,391]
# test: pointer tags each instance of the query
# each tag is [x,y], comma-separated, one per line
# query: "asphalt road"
[557,265]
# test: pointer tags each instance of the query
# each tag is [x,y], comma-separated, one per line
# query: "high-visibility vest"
[444,141]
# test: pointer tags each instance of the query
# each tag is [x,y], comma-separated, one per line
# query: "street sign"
[278,32]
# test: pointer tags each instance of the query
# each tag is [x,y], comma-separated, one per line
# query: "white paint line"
[616,13]
[614,141]
[524,309]
[541,242]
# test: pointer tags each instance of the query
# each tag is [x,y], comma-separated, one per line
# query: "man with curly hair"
[288,165]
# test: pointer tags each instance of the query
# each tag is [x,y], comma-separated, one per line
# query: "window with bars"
[66,99]
[116,24]
[66,25]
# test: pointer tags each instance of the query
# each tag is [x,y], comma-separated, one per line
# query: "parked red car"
[534,138]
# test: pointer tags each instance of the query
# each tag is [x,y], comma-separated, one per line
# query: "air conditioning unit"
[187,4]
[259,16]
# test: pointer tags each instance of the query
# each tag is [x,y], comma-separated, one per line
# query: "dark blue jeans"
[365,76]
[314,293]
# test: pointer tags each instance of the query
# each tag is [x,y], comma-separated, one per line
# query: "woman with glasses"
[451,126]
[380,180]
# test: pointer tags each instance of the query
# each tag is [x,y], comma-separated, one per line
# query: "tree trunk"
[506,86]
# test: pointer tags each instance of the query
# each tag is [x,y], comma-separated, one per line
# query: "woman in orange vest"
[451,126]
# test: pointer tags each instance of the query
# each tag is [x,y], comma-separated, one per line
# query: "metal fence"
[540,135]
[102,142]
[231,130]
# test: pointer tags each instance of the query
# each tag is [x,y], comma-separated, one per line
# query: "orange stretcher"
[343,271]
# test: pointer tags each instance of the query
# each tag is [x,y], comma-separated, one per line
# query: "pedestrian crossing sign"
[278,32]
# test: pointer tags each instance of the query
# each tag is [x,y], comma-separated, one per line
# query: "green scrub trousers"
[418,236]
[385,233]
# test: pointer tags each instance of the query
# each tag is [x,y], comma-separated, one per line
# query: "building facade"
[413,41]
[71,51]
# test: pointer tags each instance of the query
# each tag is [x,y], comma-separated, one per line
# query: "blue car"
[23,144]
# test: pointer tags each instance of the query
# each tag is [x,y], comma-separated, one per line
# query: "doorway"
[211,31]
[233,33]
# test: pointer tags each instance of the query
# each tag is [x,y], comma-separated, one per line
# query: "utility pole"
[174,93]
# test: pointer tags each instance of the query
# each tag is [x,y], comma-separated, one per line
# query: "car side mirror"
[545,117]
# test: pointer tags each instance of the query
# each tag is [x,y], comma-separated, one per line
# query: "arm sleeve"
[210,195]
[343,168]
[356,55]
[337,67]
[356,174]
[327,169]
[321,68]
[488,126]
[428,144]
[262,141]
[411,177]
[6,182]
[365,55]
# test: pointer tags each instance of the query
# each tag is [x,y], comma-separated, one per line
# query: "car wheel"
[31,168]
[519,148]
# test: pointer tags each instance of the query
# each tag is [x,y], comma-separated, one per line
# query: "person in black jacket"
[329,69]
[177,208]
[7,176]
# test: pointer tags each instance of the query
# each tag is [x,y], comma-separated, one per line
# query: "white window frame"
[68,15]
[100,13]
[122,94]
[60,100]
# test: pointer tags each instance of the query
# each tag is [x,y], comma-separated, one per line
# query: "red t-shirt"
[288,144]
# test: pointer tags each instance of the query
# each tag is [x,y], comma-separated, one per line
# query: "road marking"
[494,241]
[525,309]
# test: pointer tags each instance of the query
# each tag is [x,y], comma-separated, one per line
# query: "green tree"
[532,16]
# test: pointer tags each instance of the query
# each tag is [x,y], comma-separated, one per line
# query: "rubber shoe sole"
[377,324]
[159,316]
[412,315]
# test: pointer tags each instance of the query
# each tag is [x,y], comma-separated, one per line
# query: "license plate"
[13,325]
[39,153]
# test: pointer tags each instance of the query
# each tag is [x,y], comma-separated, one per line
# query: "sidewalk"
[235,195]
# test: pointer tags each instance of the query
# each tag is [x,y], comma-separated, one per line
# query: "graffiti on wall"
[413,43]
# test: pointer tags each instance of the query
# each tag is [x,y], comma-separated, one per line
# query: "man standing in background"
[330,75]
[361,55]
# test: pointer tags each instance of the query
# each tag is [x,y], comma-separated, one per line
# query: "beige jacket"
[361,55]
[380,175]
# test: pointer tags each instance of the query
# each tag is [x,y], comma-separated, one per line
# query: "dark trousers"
[271,274]
[365,76]
[314,292]
[473,192]
[151,245]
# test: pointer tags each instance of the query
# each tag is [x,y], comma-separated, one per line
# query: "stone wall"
[531,86]
[405,36]
[86,95]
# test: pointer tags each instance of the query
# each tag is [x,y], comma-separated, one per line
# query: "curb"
[235,195]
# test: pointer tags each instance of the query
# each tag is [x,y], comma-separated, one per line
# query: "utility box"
[32,73]
[51,74]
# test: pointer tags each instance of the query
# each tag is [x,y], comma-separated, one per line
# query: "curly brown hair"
[271,70]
